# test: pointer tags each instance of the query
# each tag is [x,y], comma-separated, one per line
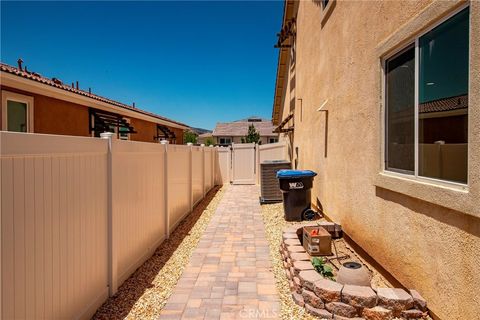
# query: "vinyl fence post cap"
[106,135]
[202,145]
[189,144]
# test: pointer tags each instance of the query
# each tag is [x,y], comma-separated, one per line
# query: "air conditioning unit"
[270,187]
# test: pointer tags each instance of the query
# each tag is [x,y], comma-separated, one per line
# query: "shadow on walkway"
[119,306]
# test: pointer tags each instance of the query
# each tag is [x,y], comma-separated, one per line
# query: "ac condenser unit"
[268,179]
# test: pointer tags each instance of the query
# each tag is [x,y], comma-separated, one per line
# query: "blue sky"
[195,62]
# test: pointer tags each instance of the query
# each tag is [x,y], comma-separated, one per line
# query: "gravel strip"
[145,293]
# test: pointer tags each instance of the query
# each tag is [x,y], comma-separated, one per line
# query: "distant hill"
[200,131]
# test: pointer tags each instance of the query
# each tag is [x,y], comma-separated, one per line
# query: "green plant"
[253,135]
[321,267]
[190,136]
[209,141]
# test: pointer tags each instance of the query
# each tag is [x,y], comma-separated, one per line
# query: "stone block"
[298,298]
[418,301]
[288,274]
[395,299]
[341,309]
[359,296]
[321,313]
[294,249]
[292,242]
[289,235]
[328,290]
[300,256]
[308,278]
[310,298]
[299,266]
[377,313]
[412,314]
[337,317]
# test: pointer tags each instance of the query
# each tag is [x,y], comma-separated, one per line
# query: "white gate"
[244,163]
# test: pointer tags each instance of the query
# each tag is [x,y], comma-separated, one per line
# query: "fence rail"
[79,215]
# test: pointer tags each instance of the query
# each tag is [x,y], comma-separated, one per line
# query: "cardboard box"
[319,244]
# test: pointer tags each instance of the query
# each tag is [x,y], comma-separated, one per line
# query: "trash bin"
[296,188]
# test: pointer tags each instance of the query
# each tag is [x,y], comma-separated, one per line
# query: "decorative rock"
[341,309]
[302,266]
[292,249]
[300,256]
[285,265]
[289,261]
[412,314]
[328,290]
[308,278]
[377,313]
[310,298]
[292,286]
[418,301]
[292,242]
[298,299]
[321,313]
[359,296]
[395,299]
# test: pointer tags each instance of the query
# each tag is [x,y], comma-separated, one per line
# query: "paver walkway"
[229,274]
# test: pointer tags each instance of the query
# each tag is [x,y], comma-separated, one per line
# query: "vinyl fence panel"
[53,226]
[178,183]
[138,211]
[197,173]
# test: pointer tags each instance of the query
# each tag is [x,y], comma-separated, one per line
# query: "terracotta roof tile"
[58,84]
[445,104]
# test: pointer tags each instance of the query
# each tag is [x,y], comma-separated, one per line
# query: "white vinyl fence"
[79,215]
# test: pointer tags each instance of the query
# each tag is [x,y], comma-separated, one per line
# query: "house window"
[272,140]
[426,97]
[17,112]
[224,141]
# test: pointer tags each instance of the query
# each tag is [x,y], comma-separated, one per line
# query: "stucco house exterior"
[382,100]
[226,133]
[37,104]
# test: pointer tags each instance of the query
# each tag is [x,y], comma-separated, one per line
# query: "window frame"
[17,97]
[414,40]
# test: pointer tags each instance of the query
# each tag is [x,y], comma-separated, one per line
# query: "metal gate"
[244,163]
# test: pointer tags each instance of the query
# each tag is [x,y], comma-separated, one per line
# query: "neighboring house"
[234,132]
[34,103]
[382,100]
[204,138]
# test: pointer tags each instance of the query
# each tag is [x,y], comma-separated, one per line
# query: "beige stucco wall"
[427,236]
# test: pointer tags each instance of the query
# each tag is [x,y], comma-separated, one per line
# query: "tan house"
[34,103]
[226,133]
[382,100]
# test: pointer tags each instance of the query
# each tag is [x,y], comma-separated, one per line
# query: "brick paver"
[229,274]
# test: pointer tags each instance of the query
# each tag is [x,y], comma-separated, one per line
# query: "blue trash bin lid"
[288,174]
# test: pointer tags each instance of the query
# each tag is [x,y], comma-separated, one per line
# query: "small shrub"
[321,267]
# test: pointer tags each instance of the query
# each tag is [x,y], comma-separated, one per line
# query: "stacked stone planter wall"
[328,299]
